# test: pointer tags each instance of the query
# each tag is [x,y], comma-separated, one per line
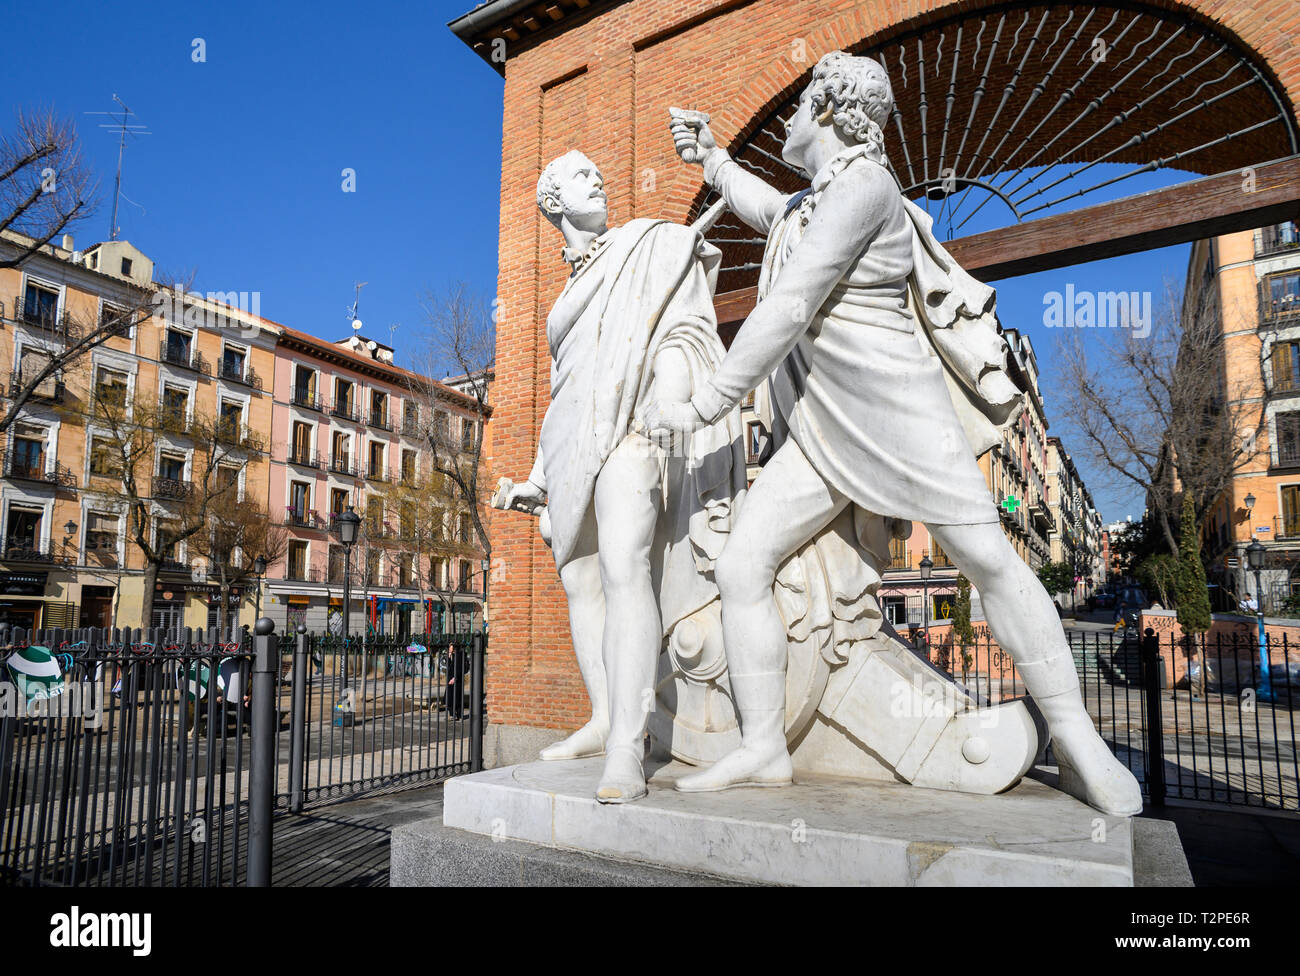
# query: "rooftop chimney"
[67,242]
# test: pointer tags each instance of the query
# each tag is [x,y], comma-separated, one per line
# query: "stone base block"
[820,831]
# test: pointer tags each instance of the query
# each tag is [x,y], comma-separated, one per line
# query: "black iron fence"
[1193,719]
[152,758]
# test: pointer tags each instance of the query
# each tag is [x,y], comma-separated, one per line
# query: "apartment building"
[350,428]
[67,560]
[1250,281]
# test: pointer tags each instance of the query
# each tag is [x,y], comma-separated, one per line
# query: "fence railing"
[152,758]
[1193,719]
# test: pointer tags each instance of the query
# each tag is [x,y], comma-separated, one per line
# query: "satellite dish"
[372,345]
[356,325]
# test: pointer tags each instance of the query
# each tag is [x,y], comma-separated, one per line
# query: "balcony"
[300,574]
[50,389]
[344,411]
[173,489]
[306,398]
[28,551]
[376,475]
[240,373]
[40,315]
[183,356]
[379,419]
[411,426]
[170,564]
[173,421]
[26,468]
[1277,239]
[101,552]
[342,464]
[238,435]
[305,459]
[304,520]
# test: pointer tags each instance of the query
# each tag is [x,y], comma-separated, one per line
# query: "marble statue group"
[739,623]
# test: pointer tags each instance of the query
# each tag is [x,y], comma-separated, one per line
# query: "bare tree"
[123,456]
[45,186]
[239,530]
[461,339]
[1158,412]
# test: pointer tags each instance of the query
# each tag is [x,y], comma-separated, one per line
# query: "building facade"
[1250,281]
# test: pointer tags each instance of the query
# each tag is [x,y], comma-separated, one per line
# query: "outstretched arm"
[755,202]
[848,215]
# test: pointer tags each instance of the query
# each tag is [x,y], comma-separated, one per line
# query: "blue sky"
[240,181]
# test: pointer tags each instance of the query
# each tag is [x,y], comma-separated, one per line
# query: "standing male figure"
[862,323]
[633,530]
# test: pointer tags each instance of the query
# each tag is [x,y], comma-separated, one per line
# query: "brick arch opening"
[1019,105]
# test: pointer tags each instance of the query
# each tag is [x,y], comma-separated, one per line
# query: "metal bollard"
[261,792]
[1153,670]
[298,721]
[476,704]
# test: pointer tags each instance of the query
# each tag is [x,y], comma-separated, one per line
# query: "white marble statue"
[631,526]
[883,366]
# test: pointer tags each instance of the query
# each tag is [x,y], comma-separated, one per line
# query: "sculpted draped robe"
[647,286]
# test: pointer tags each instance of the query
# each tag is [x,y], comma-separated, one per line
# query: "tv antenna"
[352,312]
[124,128]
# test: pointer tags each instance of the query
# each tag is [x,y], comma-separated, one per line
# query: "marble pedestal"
[821,831]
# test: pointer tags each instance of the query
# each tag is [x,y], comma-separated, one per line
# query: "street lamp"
[259,568]
[927,564]
[349,523]
[1255,556]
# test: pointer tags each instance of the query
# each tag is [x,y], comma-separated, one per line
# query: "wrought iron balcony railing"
[304,520]
[28,551]
[376,475]
[306,398]
[172,488]
[244,374]
[344,411]
[1279,237]
[172,565]
[305,459]
[50,389]
[342,464]
[239,435]
[186,358]
[42,470]
[379,418]
[301,574]
[411,426]
[40,315]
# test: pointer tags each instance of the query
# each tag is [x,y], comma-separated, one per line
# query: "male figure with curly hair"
[886,377]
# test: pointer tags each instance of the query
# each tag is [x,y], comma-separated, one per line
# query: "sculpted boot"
[586,742]
[624,777]
[1089,771]
[762,759]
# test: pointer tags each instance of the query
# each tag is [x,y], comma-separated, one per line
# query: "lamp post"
[259,568]
[348,524]
[484,565]
[927,564]
[1255,556]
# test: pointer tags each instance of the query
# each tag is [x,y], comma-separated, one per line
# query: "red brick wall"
[604,87]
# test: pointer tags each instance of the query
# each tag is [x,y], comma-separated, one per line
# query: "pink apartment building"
[347,429]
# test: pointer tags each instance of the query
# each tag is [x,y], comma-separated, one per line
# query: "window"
[338,501]
[101,539]
[376,460]
[228,476]
[895,609]
[753,441]
[28,456]
[343,397]
[297,560]
[466,577]
[171,467]
[105,459]
[335,566]
[304,386]
[1288,437]
[408,466]
[30,366]
[1282,294]
[339,444]
[898,554]
[110,387]
[410,418]
[179,347]
[232,417]
[175,413]
[23,531]
[301,446]
[300,501]
[126,267]
[1290,510]
[468,434]
[115,318]
[40,305]
[1286,367]
[404,570]
[438,523]
[375,516]
[378,408]
[372,567]
[462,528]
[232,362]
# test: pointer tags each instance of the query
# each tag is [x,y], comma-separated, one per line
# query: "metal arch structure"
[1007,113]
